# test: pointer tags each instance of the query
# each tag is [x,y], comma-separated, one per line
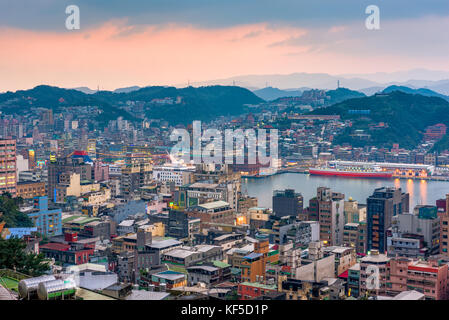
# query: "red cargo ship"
[352,173]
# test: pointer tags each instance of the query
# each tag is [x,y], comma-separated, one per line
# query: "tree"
[14,218]
[13,256]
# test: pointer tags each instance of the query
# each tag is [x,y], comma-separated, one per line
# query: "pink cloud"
[116,55]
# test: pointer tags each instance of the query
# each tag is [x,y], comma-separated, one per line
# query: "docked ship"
[366,171]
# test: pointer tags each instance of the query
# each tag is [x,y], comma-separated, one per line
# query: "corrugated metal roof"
[253,255]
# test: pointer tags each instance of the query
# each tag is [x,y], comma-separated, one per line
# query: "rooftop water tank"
[28,287]
[57,289]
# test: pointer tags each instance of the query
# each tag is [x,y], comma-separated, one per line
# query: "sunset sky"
[169,42]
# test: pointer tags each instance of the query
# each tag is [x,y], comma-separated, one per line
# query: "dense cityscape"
[111,208]
[220,162]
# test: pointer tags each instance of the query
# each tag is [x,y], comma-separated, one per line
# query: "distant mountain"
[441,86]
[371,90]
[270,93]
[396,117]
[401,76]
[294,80]
[85,90]
[368,83]
[421,91]
[167,103]
[127,89]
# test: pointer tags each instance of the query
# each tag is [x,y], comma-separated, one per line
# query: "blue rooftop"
[253,256]
[19,232]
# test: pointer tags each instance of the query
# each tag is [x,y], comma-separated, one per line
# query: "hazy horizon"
[230,79]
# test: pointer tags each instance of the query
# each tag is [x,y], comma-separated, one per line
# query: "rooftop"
[355,267]
[126,223]
[87,267]
[259,285]
[245,249]
[165,243]
[205,247]
[351,224]
[147,295]
[375,258]
[179,253]
[77,219]
[220,264]
[253,255]
[409,295]
[206,268]
[170,275]
[224,236]
[341,249]
[55,246]
[214,205]
[85,294]
[258,208]
[203,185]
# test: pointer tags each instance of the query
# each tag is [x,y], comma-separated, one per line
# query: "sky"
[173,42]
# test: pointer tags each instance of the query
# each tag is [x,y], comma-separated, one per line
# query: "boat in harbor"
[367,171]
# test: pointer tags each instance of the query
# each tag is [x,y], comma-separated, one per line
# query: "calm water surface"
[421,191]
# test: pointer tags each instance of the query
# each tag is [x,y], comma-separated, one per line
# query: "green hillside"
[204,103]
[405,116]
[342,94]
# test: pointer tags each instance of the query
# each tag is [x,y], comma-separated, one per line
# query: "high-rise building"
[92,148]
[444,228]
[48,221]
[287,203]
[331,216]
[8,175]
[135,173]
[181,226]
[66,165]
[31,158]
[382,205]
